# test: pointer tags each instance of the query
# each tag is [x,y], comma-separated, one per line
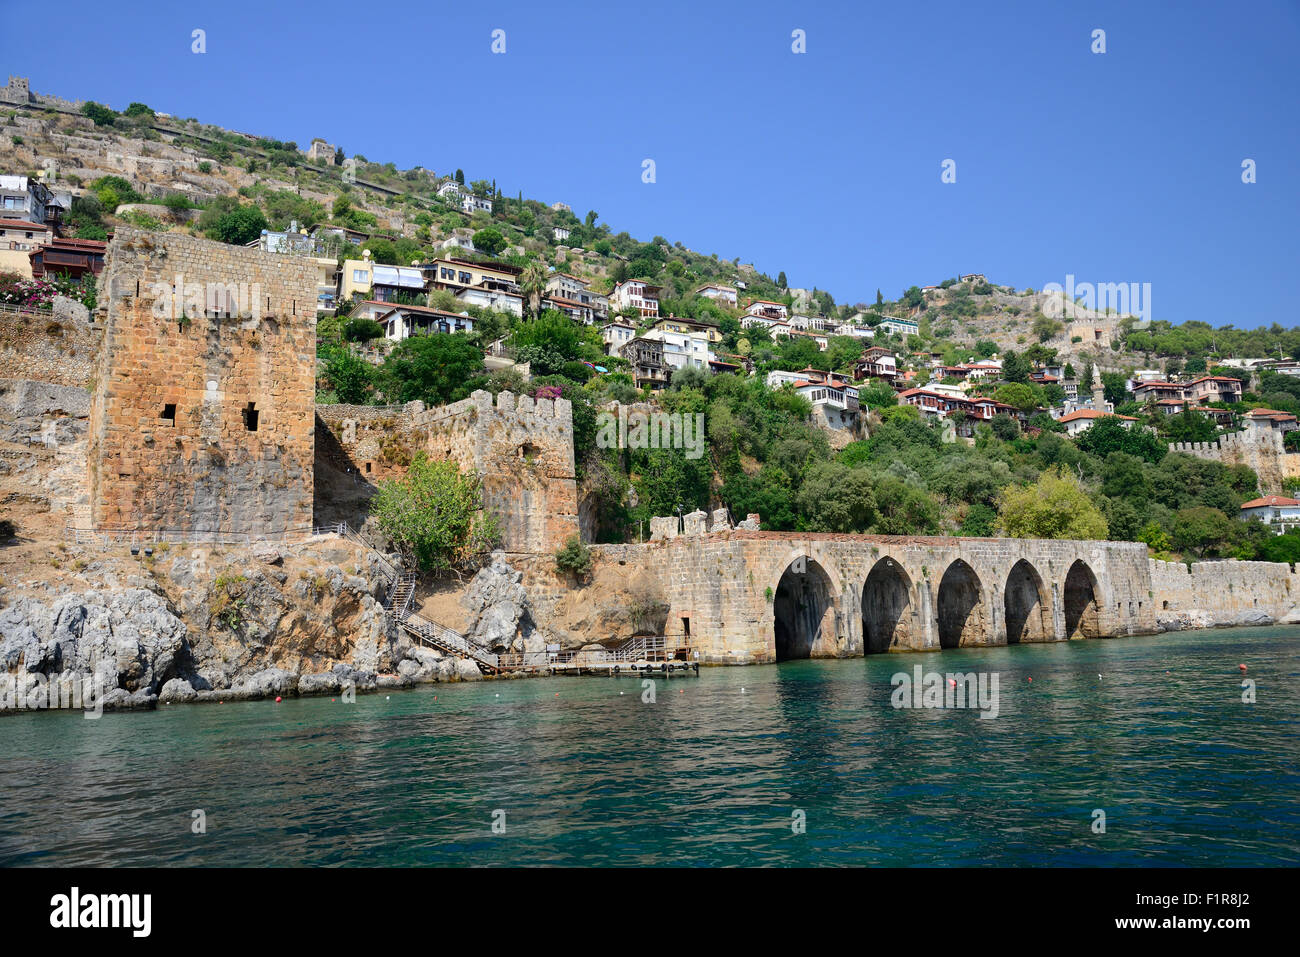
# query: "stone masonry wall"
[723,584]
[520,446]
[523,448]
[1210,594]
[237,454]
[376,441]
[1261,451]
[46,347]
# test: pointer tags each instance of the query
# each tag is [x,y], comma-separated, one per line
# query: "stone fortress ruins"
[208,422]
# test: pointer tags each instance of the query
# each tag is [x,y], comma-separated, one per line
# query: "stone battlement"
[1260,450]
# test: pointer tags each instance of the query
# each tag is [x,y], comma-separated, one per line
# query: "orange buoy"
[1241,667]
[1031,680]
[277,699]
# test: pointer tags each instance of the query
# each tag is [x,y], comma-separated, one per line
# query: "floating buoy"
[1031,680]
[557,694]
[388,697]
[742,690]
[1241,667]
[277,699]
[952,682]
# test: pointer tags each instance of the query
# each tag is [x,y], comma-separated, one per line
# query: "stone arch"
[962,616]
[887,610]
[1027,605]
[803,610]
[1082,607]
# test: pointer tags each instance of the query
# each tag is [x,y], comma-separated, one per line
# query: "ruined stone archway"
[1028,609]
[961,616]
[803,598]
[1082,609]
[886,608]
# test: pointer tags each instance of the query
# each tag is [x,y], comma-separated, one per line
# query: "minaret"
[1098,391]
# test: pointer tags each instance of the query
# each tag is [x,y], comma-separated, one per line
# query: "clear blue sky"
[1119,167]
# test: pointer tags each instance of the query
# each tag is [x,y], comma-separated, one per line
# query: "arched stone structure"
[960,610]
[1082,602]
[1027,605]
[803,611]
[888,612]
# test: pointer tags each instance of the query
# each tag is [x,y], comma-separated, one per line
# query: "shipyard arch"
[960,606]
[1081,603]
[799,608]
[886,608]
[1027,608]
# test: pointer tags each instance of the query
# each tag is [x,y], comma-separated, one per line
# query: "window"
[360,275]
[169,413]
[250,417]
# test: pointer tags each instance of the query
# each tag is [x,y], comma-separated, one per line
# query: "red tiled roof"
[24,224]
[1092,414]
[1276,500]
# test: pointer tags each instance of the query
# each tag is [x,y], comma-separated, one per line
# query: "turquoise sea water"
[1152,731]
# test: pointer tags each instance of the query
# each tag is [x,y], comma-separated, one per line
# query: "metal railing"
[445,639]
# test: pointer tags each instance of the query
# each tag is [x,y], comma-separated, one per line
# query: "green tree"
[1201,530]
[1109,434]
[359,329]
[1021,395]
[350,376]
[433,369]
[435,516]
[98,113]
[1015,368]
[490,241]
[532,283]
[836,498]
[1056,506]
[238,227]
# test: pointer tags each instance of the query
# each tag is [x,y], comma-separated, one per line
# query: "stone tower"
[203,417]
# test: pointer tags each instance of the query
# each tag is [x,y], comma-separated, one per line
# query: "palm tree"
[533,283]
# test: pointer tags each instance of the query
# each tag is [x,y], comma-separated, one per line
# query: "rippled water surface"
[1151,730]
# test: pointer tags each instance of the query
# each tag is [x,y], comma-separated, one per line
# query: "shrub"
[574,558]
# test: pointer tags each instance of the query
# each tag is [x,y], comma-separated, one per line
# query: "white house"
[498,299]
[1081,420]
[682,349]
[900,327]
[1280,514]
[450,190]
[768,309]
[617,335]
[403,322]
[725,294]
[561,233]
[472,204]
[636,294]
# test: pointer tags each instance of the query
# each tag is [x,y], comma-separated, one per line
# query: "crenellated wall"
[1210,594]
[521,447]
[1259,449]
